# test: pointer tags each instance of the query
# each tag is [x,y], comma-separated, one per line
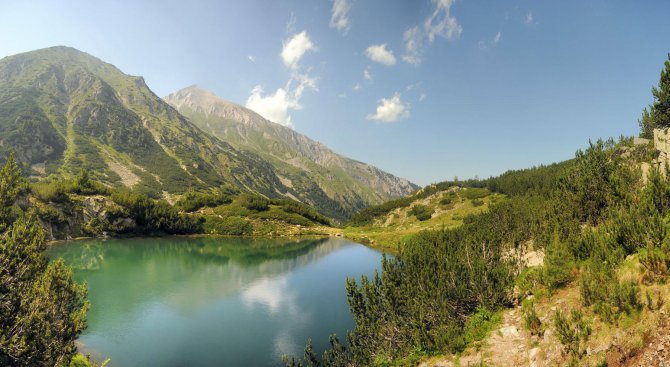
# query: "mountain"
[62,110]
[302,164]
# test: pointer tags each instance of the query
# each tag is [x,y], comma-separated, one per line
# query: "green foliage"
[421,212]
[193,200]
[153,215]
[595,182]
[54,192]
[367,215]
[530,319]
[448,199]
[231,226]
[10,186]
[253,202]
[655,262]
[479,325]
[419,300]
[80,360]
[658,113]
[294,207]
[573,333]
[474,193]
[42,310]
[601,288]
[558,264]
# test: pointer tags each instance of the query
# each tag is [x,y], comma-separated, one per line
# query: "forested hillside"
[599,220]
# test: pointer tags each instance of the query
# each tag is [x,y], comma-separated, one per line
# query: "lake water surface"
[213,302]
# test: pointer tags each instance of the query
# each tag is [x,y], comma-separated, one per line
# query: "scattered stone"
[508,331]
[533,354]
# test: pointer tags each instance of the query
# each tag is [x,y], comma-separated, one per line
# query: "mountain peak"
[206,102]
[304,165]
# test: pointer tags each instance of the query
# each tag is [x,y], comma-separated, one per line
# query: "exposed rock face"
[299,160]
[662,144]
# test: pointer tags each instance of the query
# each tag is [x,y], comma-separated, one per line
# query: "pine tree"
[658,113]
[42,310]
[10,178]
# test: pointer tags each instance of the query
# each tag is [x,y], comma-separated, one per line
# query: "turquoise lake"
[213,301]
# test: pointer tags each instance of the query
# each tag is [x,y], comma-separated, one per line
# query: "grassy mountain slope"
[62,110]
[313,173]
[434,207]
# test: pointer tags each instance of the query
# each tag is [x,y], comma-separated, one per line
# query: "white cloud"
[390,110]
[496,39]
[339,18]
[366,74]
[357,86]
[483,45]
[441,23]
[295,48]
[413,43]
[380,54]
[251,58]
[273,107]
[276,106]
[290,25]
[422,97]
[529,18]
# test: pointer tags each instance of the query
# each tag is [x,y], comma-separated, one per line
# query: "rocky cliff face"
[299,161]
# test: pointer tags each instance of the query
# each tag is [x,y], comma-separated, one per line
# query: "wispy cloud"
[483,45]
[413,38]
[390,110]
[290,25]
[367,75]
[339,18]
[441,23]
[251,58]
[357,87]
[529,18]
[422,97]
[380,54]
[295,48]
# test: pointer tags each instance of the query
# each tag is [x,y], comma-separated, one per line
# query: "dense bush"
[42,310]
[193,200]
[573,333]
[253,202]
[154,216]
[421,212]
[232,226]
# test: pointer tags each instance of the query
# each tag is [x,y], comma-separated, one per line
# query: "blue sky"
[454,88]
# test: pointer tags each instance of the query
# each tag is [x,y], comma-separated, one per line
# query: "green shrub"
[194,200]
[473,193]
[558,264]
[49,192]
[655,263]
[530,319]
[477,202]
[573,334]
[253,202]
[231,226]
[480,324]
[421,212]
